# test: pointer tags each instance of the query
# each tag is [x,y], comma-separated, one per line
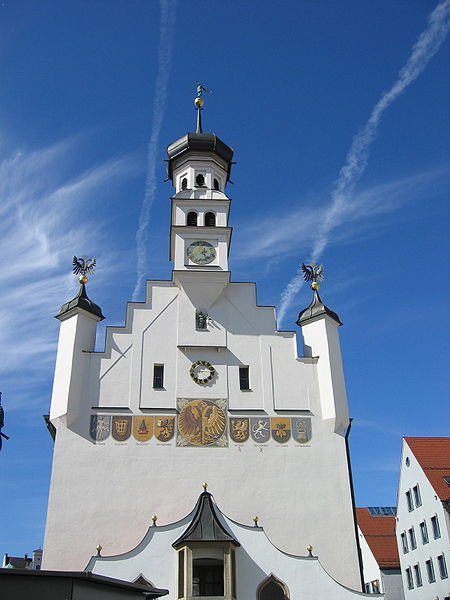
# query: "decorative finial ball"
[199,102]
[310,549]
[315,286]
[83,279]
[154,519]
[99,550]
[255,520]
[205,485]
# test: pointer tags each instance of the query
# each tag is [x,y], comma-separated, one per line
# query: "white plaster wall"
[107,492]
[371,570]
[392,584]
[181,207]
[256,559]
[431,505]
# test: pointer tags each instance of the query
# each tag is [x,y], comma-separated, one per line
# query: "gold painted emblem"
[281,429]
[239,429]
[201,423]
[142,428]
[164,428]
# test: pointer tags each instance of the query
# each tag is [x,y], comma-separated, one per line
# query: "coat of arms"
[239,429]
[100,427]
[142,428]
[301,429]
[260,429]
[164,428]
[281,429]
[202,423]
[121,428]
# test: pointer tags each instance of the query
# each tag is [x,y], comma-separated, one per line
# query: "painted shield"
[301,429]
[239,429]
[281,429]
[201,423]
[164,428]
[100,427]
[260,429]
[142,428]
[121,428]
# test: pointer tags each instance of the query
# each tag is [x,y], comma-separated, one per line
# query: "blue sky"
[91,95]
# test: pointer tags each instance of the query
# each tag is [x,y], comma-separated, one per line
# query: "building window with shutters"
[191,219]
[409,501]
[404,543]
[210,219]
[430,570]
[418,575]
[424,532]
[412,538]
[158,377]
[409,579]
[417,498]
[442,567]
[244,378]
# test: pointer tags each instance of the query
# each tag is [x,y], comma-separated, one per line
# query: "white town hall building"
[198,387]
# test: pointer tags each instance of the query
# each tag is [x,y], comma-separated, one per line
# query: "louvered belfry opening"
[192,219]
[210,219]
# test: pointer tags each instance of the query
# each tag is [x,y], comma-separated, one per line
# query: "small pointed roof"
[315,309]
[81,300]
[205,525]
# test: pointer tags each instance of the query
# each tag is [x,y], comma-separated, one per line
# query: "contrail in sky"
[166,28]
[422,52]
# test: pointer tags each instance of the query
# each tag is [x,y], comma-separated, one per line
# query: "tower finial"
[83,265]
[198,101]
[313,273]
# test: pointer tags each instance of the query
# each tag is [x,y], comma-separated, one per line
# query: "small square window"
[409,579]
[404,543]
[409,501]
[430,571]
[435,527]
[412,538]
[442,567]
[158,377]
[424,532]
[417,498]
[418,575]
[244,378]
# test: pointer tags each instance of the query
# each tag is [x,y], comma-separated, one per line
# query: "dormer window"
[200,180]
[210,219]
[191,220]
[216,184]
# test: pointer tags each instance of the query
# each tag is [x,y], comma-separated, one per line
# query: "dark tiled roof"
[379,533]
[18,562]
[433,455]
[205,525]
[316,308]
[81,300]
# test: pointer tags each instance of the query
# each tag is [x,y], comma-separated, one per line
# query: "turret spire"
[198,101]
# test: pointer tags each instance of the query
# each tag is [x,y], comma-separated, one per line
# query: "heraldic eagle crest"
[312,273]
[83,265]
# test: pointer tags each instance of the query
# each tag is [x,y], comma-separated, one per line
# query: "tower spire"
[198,101]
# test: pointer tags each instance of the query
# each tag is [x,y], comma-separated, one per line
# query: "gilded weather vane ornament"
[198,101]
[313,273]
[83,265]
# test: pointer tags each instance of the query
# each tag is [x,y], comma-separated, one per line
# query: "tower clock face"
[201,252]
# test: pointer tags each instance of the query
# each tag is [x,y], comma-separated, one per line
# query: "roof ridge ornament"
[83,265]
[198,101]
[314,273]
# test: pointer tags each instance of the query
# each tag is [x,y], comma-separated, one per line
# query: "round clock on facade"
[201,252]
[202,372]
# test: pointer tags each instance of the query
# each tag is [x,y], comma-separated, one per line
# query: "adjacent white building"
[423,519]
[198,385]
[381,564]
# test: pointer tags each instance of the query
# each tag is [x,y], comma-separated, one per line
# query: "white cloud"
[45,217]
[357,158]
[166,29]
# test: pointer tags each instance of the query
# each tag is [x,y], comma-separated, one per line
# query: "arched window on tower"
[184,183]
[191,219]
[216,184]
[272,589]
[210,219]
[200,180]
